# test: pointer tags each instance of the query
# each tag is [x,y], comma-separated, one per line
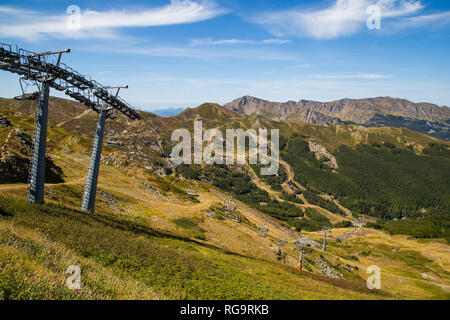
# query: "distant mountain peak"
[347,110]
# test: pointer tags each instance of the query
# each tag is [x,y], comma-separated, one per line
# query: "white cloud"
[342,18]
[32,26]
[275,41]
[358,75]
[422,20]
[210,53]
[209,41]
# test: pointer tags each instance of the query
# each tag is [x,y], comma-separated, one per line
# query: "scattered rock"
[155,192]
[67,149]
[118,159]
[50,193]
[159,171]
[4,122]
[110,200]
[427,276]
[153,144]
[327,270]
[307,242]
[322,154]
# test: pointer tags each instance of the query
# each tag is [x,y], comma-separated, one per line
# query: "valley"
[151,238]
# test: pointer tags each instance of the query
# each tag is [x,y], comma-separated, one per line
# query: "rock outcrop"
[322,154]
[327,270]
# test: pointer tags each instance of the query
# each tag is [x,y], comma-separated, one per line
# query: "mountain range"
[223,232]
[426,118]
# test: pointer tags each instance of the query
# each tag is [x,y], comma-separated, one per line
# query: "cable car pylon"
[37,166]
[300,260]
[40,68]
[90,191]
[325,231]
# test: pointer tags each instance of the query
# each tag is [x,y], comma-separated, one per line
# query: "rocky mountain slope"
[428,118]
[150,238]
[317,153]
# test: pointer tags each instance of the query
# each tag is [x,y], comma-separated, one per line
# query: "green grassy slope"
[123,259]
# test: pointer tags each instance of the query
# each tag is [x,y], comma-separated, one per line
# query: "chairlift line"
[325,231]
[40,68]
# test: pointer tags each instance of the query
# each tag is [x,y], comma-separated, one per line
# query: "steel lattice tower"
[37,166]
[300,259]
[325,231]
[40,68]
[91,183]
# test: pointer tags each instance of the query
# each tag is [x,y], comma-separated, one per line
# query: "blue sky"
[182,53]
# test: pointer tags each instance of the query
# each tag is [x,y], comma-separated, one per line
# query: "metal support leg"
[91,183]
[300,260]
[37,166]
[324,242]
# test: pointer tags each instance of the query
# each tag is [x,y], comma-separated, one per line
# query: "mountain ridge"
[429,111]
[145,202]
[358,111]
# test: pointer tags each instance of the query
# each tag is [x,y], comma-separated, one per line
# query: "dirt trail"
[81,115]
[291,177]
[260,184]
[258,215]
[346,211]
[290,174]
[333,217]
[17,186]
[6,187]
[9,136]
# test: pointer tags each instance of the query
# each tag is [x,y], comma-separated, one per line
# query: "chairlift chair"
[113,136]
[25,95]
[263,230]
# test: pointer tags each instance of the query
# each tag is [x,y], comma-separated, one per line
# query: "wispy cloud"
[33,26]
[356,75]
[209,41]
[301,66]
[202,53]
[342,18]
[422,20]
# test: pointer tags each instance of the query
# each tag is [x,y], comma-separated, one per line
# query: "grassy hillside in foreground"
[121,259]
[124,259]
